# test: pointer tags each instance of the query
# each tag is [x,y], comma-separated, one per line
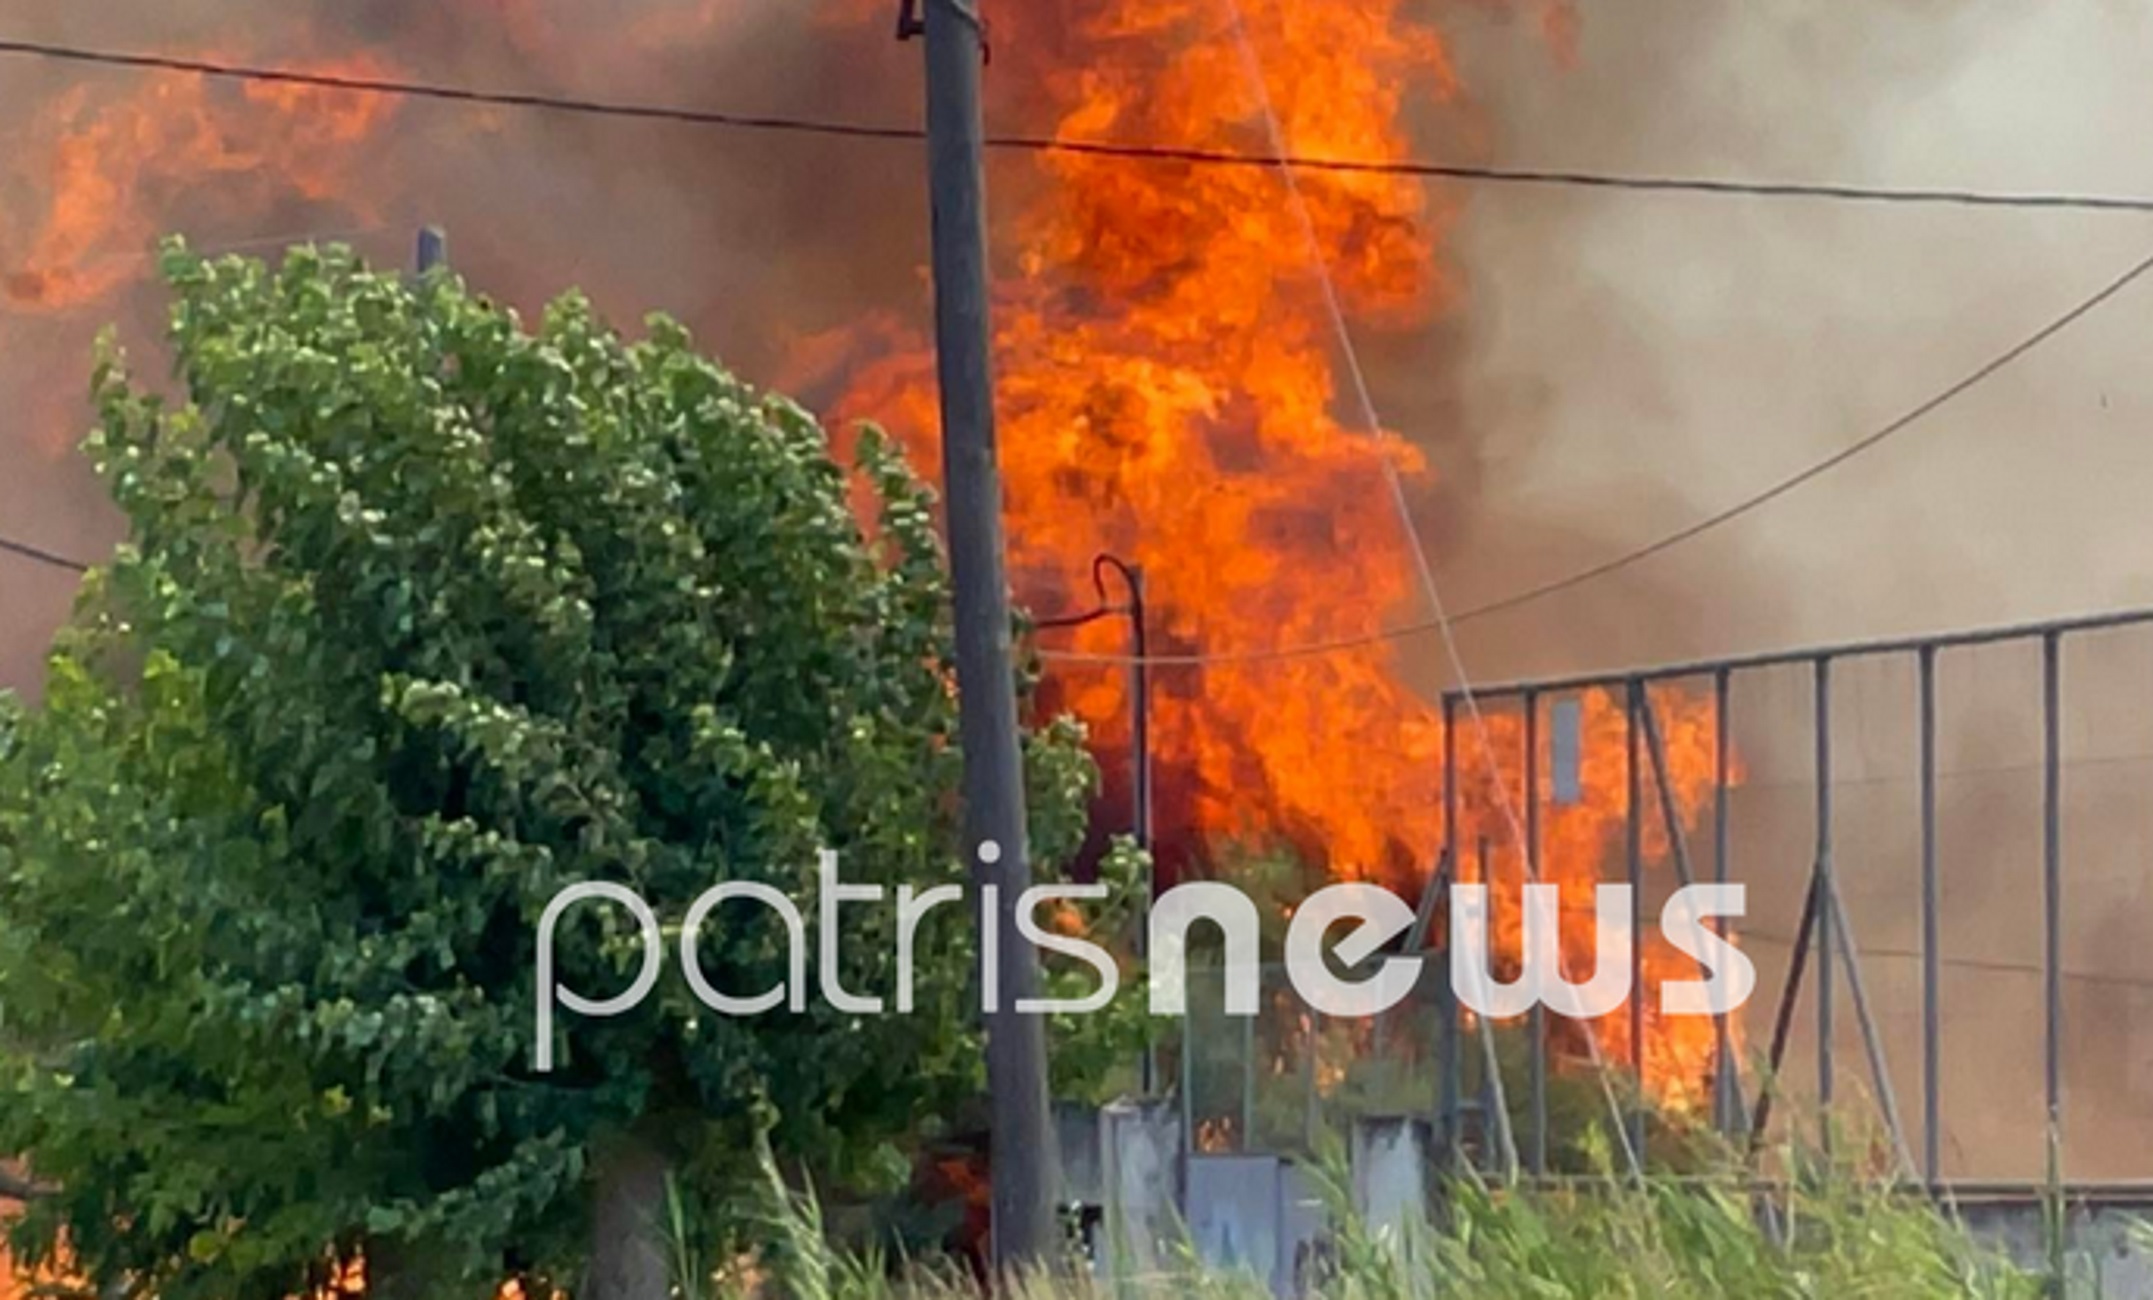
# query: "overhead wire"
[40,555]
[1688,532]
[1280,158]
[1288,163]
[1130,150]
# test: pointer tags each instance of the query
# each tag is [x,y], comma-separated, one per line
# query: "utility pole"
[1026,1229]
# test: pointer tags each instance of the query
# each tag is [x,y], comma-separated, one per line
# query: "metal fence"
[1843,823]
[1823,946]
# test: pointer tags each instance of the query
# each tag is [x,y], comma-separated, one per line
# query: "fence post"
[1823,918]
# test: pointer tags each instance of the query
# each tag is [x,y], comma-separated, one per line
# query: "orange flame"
[1169,392]
[114,165]
[1166,395]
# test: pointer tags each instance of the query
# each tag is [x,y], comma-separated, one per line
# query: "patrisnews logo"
[1378,917]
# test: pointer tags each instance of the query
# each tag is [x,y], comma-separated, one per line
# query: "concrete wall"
[2105,1255]
[1265,1215]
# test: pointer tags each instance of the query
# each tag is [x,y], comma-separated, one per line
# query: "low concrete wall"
[1140,1185]
[1258,1214]
[2103,1253]
[1389,1162]
[1233,1209]
[1262,1214]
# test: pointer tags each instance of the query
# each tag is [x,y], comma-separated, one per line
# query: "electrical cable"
[1159,153]
[42,556]
[1687,532]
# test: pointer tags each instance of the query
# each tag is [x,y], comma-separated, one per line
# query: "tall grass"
[1831,1236]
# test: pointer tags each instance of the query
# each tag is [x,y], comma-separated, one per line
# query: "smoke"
[1634,361]
[1627,363]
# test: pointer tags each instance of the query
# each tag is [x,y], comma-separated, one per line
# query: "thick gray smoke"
[1636,361]
[1617,366]
[1629,363]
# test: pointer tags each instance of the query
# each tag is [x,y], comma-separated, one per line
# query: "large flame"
[112,166]
[1170,392]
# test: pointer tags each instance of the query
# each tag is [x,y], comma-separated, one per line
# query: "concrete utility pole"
[1025,1225]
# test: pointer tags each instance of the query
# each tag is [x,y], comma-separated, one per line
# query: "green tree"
[423,617]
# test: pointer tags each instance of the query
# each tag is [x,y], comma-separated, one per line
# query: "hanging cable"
[1132,151]
[1668,541]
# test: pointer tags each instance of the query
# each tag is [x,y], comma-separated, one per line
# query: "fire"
[1170,393]
[115,165]
[1167,393]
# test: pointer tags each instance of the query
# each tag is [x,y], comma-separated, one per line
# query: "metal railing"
[1824,939]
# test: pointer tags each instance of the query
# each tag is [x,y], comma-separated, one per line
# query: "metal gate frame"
[1824,926]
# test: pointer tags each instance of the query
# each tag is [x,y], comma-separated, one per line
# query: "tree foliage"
[423,617]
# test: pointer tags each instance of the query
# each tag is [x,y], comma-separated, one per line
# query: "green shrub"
[1830,1236]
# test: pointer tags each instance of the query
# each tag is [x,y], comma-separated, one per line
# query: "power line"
[1319,256]
[1278,159]
[453,94]
[1837,458]
[42,556]
[1687,532]
[1990,965]
[1190,155]
[1549,177]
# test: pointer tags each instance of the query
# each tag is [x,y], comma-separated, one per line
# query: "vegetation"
[1833,1235]
[424,617]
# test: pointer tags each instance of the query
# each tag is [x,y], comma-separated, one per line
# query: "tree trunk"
[628,1248]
